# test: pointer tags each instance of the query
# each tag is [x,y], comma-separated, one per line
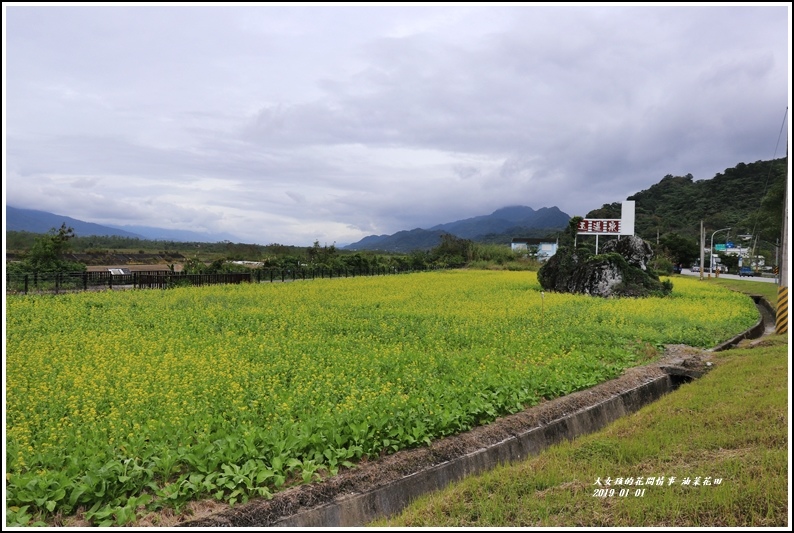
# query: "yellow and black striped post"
[781,316]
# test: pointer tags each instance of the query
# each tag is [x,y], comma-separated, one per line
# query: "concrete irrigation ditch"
[385,486]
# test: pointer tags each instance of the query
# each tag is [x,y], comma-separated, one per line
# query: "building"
[542,249]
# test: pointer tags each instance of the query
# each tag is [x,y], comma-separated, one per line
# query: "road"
[687,272]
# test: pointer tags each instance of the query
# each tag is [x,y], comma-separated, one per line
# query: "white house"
[541,248]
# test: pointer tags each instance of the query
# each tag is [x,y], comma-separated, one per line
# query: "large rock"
[634,250]
[620,270]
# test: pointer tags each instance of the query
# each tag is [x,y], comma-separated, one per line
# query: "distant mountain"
[178,235]
[34,221]
[505,223]
[402,241]
[504,219]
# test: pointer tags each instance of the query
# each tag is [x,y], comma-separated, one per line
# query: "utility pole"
[753,259]
[702,253]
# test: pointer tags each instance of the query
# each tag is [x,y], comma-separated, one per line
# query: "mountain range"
[517,219]
[34,221]
[748,198]
[504,222]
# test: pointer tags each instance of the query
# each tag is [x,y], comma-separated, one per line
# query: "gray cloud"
[300,123]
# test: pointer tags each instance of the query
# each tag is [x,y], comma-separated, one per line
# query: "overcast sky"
[303,123]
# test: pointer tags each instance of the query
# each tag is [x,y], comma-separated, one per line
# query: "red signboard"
[594,226]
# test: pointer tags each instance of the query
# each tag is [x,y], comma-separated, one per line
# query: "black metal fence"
[58,282]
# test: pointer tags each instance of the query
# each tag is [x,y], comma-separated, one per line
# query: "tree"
[730,261]
[46,254]
[193,266]
[680,250]
[321,256]
[568,236]
[453,251]
[770,213]
[357,262]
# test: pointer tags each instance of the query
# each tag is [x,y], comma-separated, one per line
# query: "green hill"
[748,198]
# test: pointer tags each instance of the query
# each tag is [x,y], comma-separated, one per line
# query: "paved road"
[687,272]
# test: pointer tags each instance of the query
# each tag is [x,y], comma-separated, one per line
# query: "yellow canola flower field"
[238,390]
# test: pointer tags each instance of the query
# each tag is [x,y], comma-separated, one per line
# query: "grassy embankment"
[730,425]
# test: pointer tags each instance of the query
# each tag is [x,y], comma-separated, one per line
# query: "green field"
[120,403]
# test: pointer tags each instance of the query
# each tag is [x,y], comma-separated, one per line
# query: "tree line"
[50,252]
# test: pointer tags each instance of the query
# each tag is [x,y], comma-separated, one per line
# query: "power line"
[766,184]
[769,173]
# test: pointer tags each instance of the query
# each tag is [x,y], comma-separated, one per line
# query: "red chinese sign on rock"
[598,226]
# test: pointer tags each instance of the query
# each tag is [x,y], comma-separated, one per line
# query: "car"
[746,271]
[695,268]
[676,269]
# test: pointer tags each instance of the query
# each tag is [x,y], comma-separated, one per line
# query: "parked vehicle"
[695,268]
[676,269]
[746,271]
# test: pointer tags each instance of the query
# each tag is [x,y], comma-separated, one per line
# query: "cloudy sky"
[298,123]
